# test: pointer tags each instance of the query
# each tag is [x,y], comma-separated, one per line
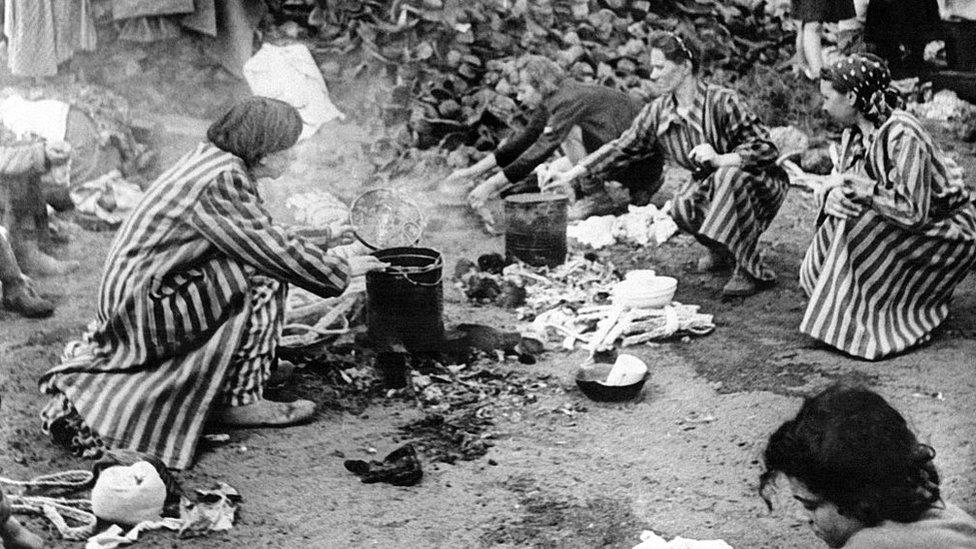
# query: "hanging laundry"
[41,34]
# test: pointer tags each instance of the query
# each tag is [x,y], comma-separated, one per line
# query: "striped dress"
[881,282]
[191,277]
[731,205]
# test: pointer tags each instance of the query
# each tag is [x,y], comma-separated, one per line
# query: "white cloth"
[964,9]
[290,74]
[113,536]
[47,118]
[129,494]
[650,540]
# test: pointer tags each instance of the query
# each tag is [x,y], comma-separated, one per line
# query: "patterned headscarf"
[256,127]
[870,80]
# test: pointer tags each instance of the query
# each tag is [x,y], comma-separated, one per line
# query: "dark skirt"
[822,11]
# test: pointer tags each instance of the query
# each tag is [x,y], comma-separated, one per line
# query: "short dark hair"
[848,446]
[256,127]
[676,48]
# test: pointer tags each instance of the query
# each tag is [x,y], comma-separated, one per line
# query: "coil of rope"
[73,518]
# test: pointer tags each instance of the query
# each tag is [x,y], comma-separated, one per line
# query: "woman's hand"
[839,203]
[562,183]
[362,264]
[458,178]
[704,155]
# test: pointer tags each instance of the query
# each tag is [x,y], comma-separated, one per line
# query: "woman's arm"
[748,138]
[229,215]
[635,143]
[902,191]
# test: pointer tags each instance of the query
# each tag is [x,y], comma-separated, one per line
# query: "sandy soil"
[563,471]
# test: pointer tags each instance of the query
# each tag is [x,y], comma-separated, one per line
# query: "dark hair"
[676,48]
[848,446]
[256,127]
[543,74]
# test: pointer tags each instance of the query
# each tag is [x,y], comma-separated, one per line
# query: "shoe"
[33,261]
[715,260]
[24,300]
[743,284]
[265,413]
[400,468]
[599,203]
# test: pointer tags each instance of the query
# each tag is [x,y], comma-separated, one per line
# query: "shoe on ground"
[265,413]
[35,262]
[741,284]
[715,260]
[24,300]
[599,203]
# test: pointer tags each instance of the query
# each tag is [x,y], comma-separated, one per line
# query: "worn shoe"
[34,261]
[265,413]
[743,284]
[715,260]
[599,203]
[24,300]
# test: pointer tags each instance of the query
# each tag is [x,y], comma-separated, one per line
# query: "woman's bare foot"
[265,413]
[16,536]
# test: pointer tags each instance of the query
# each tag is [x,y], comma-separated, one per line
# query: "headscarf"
[870,80]
[256,127]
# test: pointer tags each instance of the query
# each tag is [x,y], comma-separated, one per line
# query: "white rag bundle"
[129,494]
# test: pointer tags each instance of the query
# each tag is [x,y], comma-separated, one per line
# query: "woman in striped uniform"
[897,231]
[190,304]
[736,188]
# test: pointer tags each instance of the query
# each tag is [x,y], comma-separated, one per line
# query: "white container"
[653,294]
[627,370]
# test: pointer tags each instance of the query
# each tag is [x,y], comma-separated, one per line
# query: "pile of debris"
[640,226]
[455,61]
[461,404]
[582,279]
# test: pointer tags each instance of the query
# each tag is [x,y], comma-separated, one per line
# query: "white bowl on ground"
[652,294]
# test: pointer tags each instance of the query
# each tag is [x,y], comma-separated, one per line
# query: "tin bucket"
[405,302]
[536,228]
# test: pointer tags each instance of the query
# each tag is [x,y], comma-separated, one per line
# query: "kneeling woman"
[897,232]
[191,302]
[736,188]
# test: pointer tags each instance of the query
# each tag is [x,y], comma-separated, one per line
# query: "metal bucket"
[536,228]
[405,302]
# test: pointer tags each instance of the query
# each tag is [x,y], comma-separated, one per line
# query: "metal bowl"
[589,381]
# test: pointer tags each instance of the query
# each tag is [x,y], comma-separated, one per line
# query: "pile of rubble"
[455,61]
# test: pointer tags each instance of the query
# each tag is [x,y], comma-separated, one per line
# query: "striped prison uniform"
[188,308]
[731,205]
[881,282]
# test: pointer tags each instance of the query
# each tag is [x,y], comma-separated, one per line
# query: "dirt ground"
[563,471]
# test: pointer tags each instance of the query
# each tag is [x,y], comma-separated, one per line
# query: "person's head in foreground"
[539,77]
[673,60]
[857,89]
[853,463]
[260,131]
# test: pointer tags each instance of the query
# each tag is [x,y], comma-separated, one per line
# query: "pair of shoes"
[23,299]
[743,284]
[265,413]
[598,203]
[715,260]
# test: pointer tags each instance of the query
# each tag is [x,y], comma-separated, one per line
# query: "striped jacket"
[173,306]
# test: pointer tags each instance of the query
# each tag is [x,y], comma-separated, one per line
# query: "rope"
[58,511]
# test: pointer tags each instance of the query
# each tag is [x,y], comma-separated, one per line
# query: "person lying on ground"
[736,186]
[20,169]
[863,477]
[580,118]
[897,230]
[191,302]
